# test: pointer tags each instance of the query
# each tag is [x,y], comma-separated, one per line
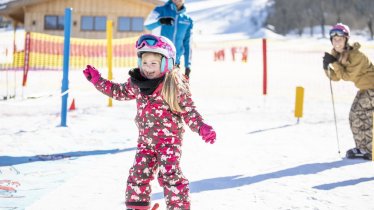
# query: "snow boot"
[368,156]
[357,153]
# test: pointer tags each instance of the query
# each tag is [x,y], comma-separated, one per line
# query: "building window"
[124,24]
[93,23]
[5,23]
[137,24]
[53,22]
[130,24]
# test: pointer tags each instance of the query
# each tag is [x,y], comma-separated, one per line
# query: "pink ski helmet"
[160,45]
[340,30]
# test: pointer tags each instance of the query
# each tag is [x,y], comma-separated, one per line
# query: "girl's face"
[338,42]
[151,65]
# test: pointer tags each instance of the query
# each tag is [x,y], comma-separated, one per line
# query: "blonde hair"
[175,84]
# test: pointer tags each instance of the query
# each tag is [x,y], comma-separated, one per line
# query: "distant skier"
[172,21]
[347,62]
[163,101]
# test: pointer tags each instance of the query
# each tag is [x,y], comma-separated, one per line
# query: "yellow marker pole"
[109,33]
[299,103]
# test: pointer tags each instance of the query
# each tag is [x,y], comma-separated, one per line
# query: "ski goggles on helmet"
[337,32]
[148,40]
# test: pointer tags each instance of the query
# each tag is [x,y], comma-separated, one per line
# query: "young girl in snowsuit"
[347,62]
[163,103]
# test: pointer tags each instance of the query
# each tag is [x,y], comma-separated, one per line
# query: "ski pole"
[333,108]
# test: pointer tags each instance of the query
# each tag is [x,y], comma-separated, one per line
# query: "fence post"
[299,102]
[109,34]
[264,56]
[26,59]
[65,78]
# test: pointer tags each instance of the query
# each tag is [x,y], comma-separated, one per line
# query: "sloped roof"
[13,9]
[6,6]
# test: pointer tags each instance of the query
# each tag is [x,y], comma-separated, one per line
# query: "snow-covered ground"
[262,159]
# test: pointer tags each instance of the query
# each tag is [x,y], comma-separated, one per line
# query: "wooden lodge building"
[89,17]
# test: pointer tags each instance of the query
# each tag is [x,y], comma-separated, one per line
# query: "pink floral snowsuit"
[159,144]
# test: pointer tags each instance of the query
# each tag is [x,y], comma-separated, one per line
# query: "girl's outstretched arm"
[118,91]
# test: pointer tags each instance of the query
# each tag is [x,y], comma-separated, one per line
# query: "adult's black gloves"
[327,59]
[166,21]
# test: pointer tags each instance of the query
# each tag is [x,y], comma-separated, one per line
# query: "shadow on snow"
[227,182]
[273,128]
[343,183]
[11,160]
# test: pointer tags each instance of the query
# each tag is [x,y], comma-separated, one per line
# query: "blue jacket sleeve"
[152,20]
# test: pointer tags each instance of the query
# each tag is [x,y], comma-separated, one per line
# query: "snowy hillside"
[232,19]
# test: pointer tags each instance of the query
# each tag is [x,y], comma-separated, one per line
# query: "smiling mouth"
[338,46]
[148,74]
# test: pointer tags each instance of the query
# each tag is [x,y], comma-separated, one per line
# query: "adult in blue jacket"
[176,25]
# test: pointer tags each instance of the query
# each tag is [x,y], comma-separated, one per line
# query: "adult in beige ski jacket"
[353,65]
[348,63]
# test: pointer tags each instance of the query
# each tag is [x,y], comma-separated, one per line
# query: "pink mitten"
[92,74]
[208,134]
